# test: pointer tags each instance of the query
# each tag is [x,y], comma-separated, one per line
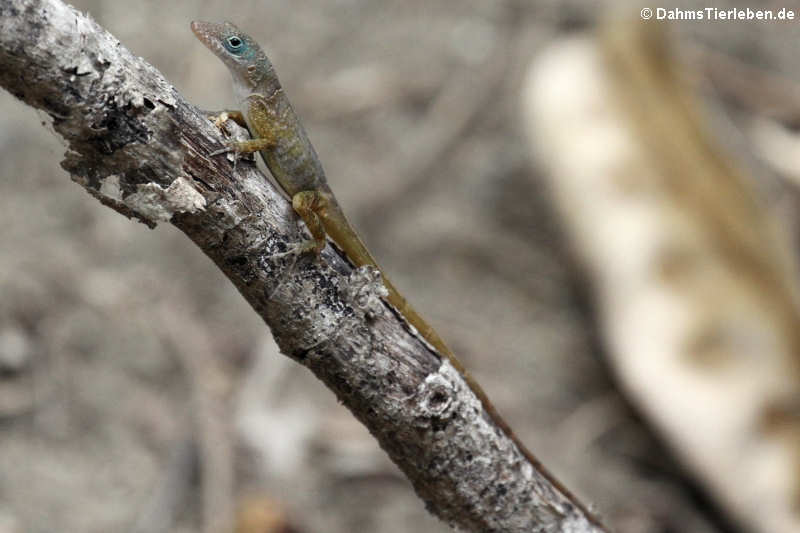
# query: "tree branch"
[140,148]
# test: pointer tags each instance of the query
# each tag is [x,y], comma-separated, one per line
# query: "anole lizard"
[282,141]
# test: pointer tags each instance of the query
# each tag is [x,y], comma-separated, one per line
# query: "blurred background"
[610,252]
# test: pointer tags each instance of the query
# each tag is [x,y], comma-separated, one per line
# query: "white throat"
[241,89]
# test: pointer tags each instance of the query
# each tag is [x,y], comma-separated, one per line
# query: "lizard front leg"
[238,147]
[220,117]
[244,147]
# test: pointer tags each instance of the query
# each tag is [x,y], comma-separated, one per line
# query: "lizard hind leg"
[311,206]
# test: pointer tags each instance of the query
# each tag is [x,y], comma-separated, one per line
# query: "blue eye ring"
[234,44]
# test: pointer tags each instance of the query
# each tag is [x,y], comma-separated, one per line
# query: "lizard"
[280,138]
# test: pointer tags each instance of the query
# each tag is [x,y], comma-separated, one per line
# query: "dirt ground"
[109,422]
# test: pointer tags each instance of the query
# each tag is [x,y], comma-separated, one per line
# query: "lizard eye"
[234,44]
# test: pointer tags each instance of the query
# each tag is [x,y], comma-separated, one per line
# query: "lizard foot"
[229,147]
[244,147]
[295,251]
[301,248]
[220,119]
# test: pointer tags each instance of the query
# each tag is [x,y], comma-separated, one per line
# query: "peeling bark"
[140,148]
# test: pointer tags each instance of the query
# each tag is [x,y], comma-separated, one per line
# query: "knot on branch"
[437,397]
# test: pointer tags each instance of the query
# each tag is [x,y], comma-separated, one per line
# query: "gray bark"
[140,148]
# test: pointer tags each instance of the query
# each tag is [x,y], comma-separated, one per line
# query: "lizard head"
[242,55]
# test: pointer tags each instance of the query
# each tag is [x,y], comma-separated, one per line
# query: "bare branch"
[140,148]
